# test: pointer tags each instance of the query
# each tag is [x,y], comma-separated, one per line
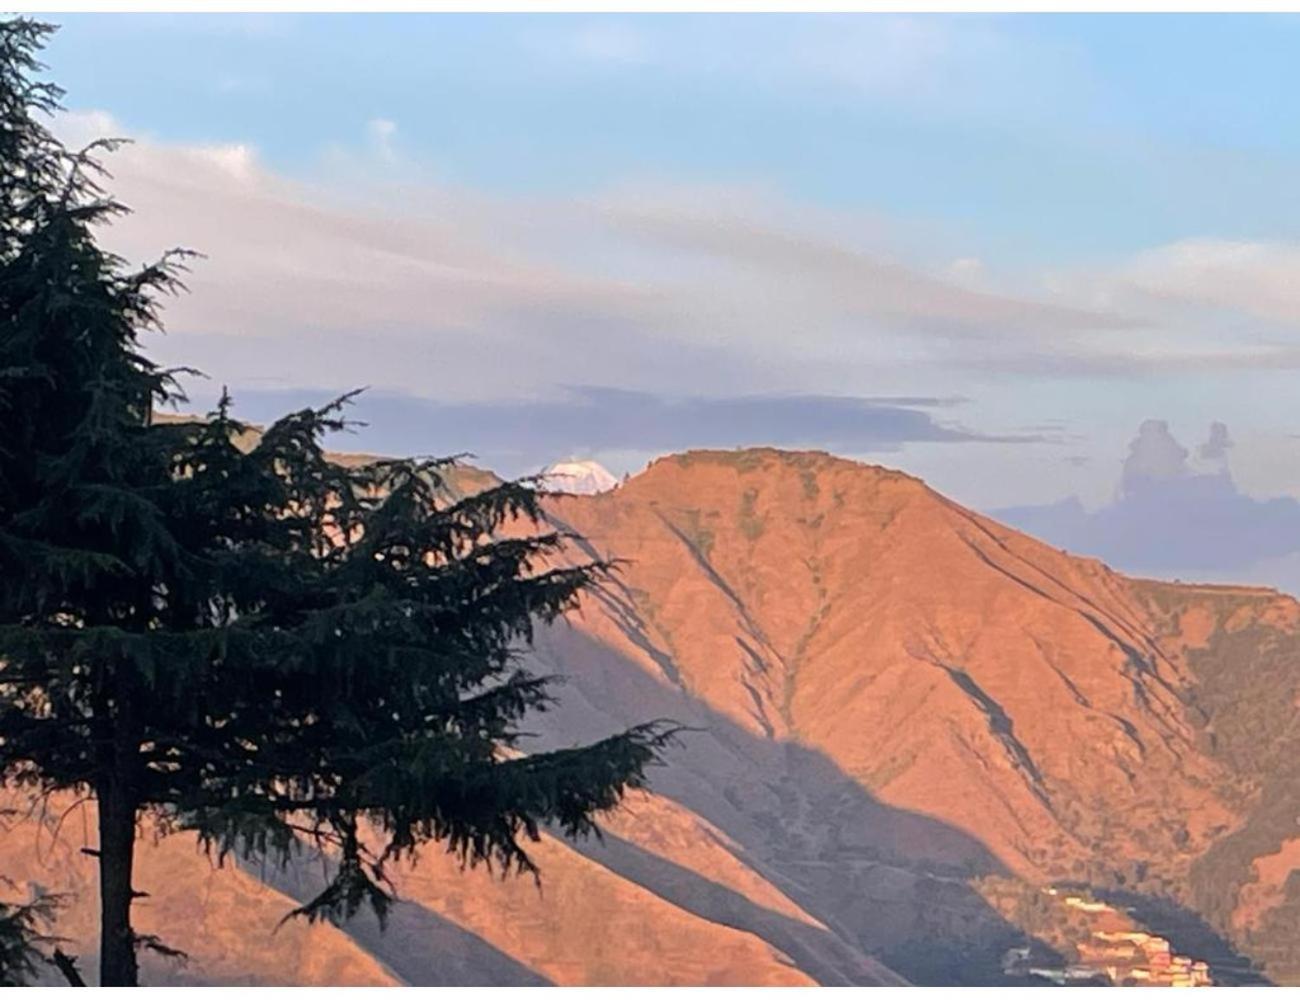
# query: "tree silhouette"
[255,643]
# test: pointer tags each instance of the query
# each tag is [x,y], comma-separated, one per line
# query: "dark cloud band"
[522,435]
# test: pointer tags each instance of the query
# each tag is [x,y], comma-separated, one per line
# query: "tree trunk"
[117,966]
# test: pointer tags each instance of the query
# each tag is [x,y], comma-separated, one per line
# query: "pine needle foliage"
[258,644]
[24,938]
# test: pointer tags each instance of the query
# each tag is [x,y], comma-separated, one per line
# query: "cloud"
[966,270]
[1215,449]
[895,56]
[1205,305]
[946,67]
[612,41]
[382,131]
[291,267]
[241,85]
[517,436]
[1153,456]
[415,286]
[1170,517]
[825,276]
[1158,352]
[594,43]
[943,67]
[1254,278]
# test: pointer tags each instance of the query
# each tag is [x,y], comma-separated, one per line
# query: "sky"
[983,249]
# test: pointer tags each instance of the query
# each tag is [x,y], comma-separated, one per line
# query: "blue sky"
[1152,124]
[1005,241]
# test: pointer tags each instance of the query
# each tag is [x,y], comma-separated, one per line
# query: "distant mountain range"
[908,720]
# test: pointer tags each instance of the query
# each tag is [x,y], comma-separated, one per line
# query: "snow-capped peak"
[578,477]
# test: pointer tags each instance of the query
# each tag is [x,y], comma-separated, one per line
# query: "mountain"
[905,722]
[939,695]
[581,477]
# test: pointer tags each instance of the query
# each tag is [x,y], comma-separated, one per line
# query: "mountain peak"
[579,476]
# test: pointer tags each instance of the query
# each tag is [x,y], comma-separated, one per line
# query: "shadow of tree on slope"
[419,946]
[886,882]
[818,951]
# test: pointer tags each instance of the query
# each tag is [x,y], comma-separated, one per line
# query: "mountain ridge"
[897,708]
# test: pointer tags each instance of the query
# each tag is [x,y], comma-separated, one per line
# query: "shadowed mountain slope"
[893,704]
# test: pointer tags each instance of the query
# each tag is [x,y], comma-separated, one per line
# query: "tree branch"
[68,966]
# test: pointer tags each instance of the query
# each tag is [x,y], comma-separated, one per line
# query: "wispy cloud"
[1205,305]
[382,132]
[943,66]
[826,276]
[594,44]
[1257,278]
[612,41]
[422,287]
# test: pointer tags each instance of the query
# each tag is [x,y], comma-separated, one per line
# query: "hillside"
[903,686]
[903,715]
